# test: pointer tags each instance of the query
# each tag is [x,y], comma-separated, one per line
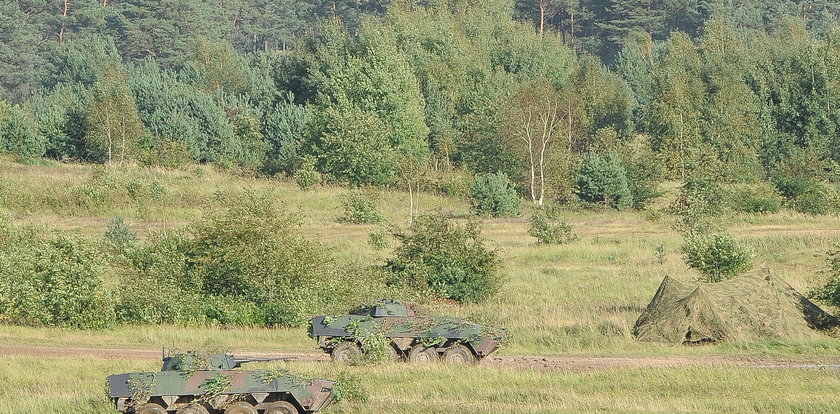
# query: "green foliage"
[495,194]
[718,256]
[701,196]
[241,264]
[376,347]
[830,292]
[19,135]
[183,121]
[119,235]
[51,281]
[449,260]
[215,385]
[645,170]
[351,146]
[378,238]
[603,180]
[348,387]
[114,121]
[805,194]
[453,183]
[369,109]
[141,386]
[283,129]
[756,199]
[306,175]
[359,207]
[549,231]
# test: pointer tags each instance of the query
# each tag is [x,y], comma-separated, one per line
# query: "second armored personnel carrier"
[191,383]
[412,337]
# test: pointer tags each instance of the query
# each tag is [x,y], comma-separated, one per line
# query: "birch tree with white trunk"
[535,118]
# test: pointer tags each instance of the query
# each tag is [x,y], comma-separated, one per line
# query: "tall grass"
[59,385]
[582,297]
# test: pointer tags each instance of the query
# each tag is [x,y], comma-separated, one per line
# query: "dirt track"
[574,363]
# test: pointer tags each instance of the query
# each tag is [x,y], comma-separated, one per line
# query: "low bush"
[360,207]
[805,193]
[450,260]
[495,194]
[51,281]
[756,199]
[718,256]
[241,264]
[549,231]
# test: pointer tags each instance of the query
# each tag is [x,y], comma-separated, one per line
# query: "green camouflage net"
[754,306]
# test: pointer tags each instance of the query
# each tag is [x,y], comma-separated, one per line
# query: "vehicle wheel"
[150,408]
[347,352]
[420,354]
[458,354]
[280,407]
[192,409]
[240,407]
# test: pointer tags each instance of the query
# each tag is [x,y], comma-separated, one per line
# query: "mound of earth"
[754,306]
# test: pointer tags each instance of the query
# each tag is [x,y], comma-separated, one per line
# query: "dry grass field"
[580,298]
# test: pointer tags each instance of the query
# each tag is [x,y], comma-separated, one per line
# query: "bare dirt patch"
[572,363]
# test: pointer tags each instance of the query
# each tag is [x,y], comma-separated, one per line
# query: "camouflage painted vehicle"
[190,383]
[412,337]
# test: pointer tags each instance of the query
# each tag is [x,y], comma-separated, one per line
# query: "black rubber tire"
[193,409]
[150,408]
[240,407]
[420,354]
[458,354]
[347,352]
[281,407]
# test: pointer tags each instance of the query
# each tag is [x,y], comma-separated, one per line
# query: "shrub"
[306,176]
[51,281]
[806,194]
[495,194]
[360,207]
[718,256]
[830,292]
[762,199]
[603,180]
[119,236]
[447,259]
[242,264]
[548,231]
[348,387]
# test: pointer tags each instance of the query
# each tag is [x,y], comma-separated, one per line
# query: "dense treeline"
[383,92]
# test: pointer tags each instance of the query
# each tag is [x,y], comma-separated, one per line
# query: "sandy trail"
[571,363]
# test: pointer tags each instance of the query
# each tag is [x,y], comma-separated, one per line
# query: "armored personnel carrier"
[191,383]
[412,337]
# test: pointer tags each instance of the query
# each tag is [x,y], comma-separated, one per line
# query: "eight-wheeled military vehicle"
[412,337]
[192,383]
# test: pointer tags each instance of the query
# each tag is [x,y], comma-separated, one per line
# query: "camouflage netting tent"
[754,306]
